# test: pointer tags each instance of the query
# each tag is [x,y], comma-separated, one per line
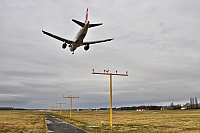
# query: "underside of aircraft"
[79,37]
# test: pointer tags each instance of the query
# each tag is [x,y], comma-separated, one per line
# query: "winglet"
[86,16]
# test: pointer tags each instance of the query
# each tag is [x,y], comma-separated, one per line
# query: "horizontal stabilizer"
[83,24]
[93,25]
[78,22]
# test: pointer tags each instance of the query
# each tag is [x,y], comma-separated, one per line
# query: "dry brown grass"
[22,122]
[177,121]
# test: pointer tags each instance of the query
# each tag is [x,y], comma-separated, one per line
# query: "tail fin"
[86,16]
[86,20]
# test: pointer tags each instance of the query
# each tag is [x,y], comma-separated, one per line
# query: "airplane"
[78,41]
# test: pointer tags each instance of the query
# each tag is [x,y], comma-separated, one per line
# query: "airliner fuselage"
[79,37]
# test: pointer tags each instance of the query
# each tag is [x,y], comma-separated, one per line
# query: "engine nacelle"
[86,47]
[64,45]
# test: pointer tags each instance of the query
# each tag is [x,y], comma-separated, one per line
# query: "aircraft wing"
[100,41]
[57,37]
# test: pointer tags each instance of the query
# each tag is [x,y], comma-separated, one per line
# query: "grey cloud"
[156,42]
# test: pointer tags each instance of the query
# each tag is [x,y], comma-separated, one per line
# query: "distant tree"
[172,104]
[191,102]
[196,103]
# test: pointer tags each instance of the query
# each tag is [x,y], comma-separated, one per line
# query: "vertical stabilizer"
[86,16]
[86,20]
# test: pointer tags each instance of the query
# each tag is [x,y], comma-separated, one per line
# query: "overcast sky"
[157,42]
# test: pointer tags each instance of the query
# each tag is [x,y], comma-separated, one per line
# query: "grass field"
[22,122]
[176,121]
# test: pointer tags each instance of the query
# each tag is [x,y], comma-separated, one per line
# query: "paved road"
[55,125]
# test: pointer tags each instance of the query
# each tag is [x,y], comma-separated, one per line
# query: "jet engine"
[64,45]
[86,47]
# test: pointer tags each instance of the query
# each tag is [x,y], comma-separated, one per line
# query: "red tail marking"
[86,16]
